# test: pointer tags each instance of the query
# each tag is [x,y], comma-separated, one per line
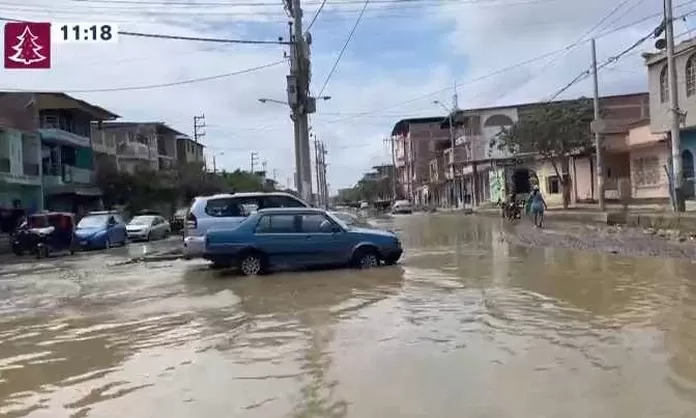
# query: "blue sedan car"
[101,230]
[298,238]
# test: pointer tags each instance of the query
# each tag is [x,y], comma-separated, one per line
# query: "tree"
[27,50]
[555,132]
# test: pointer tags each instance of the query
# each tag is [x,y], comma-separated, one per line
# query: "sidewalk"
[5,243]
[640,216]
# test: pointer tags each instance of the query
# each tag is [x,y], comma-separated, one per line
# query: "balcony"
[59,136]
[135,150]
[68,175]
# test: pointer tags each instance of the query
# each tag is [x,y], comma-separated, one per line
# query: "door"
[278,236]
[322,242]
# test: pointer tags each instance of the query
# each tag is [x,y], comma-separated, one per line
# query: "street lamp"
[266,100]
[450,113]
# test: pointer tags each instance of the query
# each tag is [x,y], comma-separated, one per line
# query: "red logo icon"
[27,45]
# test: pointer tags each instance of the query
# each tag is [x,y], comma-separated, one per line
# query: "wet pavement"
[470,324]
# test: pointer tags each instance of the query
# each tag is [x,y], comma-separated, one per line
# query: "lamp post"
[450,112]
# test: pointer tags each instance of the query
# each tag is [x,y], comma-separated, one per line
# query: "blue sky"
[400,51]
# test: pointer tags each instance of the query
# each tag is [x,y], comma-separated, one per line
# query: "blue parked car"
[298,238]
[101,230]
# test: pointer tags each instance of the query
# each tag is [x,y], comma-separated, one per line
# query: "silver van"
[227,210]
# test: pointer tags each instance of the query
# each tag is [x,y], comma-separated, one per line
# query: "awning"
[74,190]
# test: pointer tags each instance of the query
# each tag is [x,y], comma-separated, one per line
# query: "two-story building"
[20,180]
[189,151]
[63,125]
[660,112]
[133,146]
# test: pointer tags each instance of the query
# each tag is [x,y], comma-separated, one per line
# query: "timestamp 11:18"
[87,33]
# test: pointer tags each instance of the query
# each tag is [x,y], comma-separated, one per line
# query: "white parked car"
[402,206]
[148,227]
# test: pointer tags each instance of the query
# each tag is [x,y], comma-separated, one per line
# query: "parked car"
[298,238]
[178,220]
[101,230]
[226,211]
[402,206]
[148,227]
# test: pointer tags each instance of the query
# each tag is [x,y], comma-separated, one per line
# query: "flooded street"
[468,325]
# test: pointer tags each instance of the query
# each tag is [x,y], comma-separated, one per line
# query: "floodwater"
[467,326]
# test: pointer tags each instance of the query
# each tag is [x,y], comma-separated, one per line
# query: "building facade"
[660,113]
[63,124]
[20,179]
[135,146]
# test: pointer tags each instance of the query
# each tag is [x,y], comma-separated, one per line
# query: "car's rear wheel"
[366,258]
[251,264]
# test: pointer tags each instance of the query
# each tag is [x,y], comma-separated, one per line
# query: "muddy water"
[466,326]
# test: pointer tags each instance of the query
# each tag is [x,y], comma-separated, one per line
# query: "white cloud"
[488,37]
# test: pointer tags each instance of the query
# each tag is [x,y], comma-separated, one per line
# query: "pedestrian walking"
[537,205]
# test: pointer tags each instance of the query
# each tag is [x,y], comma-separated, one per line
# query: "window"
[278,224]
[223,207]
[281,202]
[691,76]
[664,85]
[646,171]
[315,224]
[553,185]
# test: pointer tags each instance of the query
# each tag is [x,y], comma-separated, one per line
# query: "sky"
[403,56]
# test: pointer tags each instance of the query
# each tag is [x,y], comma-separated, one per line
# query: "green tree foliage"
[554,132]
[146,189]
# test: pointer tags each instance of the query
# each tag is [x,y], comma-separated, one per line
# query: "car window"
[281,202]
[223,207]
[315,223]
[118,219]
[277,224]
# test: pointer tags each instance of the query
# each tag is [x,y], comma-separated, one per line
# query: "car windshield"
[338,221]
[93,221]
[142,220]
[347,218]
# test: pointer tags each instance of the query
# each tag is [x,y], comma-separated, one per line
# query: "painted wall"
[582,173]
[648,177]
[496,180]
[490,129]
[545,171]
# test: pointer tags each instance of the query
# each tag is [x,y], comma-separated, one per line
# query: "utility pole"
[324,184]
[264,165]
[301,103]
[675,112]
[317,170]
[254,160]
[214,166]
[453,140]
[599,145]
[198,125]
[390,142]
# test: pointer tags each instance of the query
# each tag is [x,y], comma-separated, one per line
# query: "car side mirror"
[336,229]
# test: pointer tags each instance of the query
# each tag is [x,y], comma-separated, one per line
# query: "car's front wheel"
[366,258]
[251,264]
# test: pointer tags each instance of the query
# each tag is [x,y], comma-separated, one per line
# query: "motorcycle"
[512,211]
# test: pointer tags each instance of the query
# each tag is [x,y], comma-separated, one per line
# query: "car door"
[112,229]
[278,236]
[156,227]
[322,239]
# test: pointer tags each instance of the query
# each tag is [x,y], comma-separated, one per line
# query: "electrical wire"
[343,50]
[316,15]
[181,38]
[260,4]
[157,86]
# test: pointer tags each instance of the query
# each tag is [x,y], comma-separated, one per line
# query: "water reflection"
[468,323]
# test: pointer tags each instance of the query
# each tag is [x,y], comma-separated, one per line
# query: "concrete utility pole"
[299,99]
[453,140]
[675,112]
[254,160]
[324,183]
[390,142]
[317,171]
[599,145]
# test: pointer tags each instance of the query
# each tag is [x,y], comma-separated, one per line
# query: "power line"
[316,15]
[261,4]
[183,38]
[509,68]
[162,85]
[345,45]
